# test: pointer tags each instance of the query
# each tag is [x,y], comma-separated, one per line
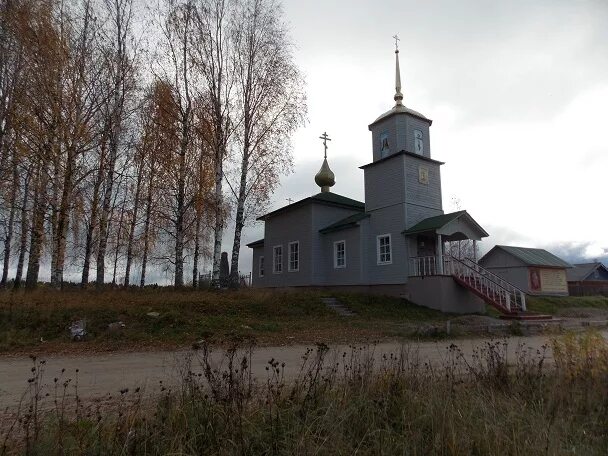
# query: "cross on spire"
[398,95]
[325,138]
[397,39]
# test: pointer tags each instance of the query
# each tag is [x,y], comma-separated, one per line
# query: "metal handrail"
[487,283]
[495,277]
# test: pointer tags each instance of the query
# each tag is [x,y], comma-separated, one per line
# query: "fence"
[204,279]
[588,288]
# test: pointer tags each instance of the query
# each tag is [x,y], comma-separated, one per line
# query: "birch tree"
[120,60]
[272,105]
[212,57]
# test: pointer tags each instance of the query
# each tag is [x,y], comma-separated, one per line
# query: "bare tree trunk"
[179,224]
[118,236]
[11,221]
[54,216]
[105,218]
[240,216]
[37,233]
[218,229]
[23,235]
[197,249]
[88,247]
[133,223]
[146,246]
[61,228]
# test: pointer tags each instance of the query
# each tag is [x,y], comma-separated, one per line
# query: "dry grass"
[355,404]
[39,320]
[556,305]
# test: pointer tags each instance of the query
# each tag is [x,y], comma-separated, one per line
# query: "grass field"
[165,318]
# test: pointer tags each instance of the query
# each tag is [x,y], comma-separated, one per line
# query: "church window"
[294,256]
[384,249]
[339,254]
[261,269]
[277,259]
[384,146]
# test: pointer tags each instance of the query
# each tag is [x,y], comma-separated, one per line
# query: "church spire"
[325,178]
[398,95]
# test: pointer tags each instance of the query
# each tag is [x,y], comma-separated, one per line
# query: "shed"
[534,271]
[588,279]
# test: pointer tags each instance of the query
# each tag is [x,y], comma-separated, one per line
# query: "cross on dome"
[325,138]
[325,178]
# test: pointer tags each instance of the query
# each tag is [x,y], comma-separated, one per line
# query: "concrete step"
[337,307]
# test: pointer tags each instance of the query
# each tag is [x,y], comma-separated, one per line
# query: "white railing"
[483,281]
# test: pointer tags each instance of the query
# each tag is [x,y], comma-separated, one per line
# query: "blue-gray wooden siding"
[400,131]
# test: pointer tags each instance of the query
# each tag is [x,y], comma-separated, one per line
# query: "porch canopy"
[456,226]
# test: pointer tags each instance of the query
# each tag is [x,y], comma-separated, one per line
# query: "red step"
[526,316]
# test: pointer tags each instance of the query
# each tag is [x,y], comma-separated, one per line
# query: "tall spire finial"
[325,178]
[398,95]
[325,138]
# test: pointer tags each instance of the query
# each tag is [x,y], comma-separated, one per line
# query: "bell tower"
[400,128]
[403,182]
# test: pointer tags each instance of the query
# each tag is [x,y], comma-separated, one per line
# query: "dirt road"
[99,375]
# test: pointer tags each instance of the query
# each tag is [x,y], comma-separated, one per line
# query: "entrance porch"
[443,270]
[430,240]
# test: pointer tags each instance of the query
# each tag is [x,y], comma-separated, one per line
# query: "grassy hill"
[164,317]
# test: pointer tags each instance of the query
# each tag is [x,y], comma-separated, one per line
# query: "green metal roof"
[398,154]
[434,223]
[350,221]
[328,198]
[534,257]
[258,243]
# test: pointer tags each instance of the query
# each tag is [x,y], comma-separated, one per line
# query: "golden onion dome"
[325,178]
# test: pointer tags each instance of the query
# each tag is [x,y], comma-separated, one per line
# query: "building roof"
[582,271]
[433,223]
[439,221]
[254,244]
[400,109]
[402,152]
[348,222]
[533,257]
[326,198]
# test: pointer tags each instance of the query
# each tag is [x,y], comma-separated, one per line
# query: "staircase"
[509,300]
[337,307]
[494,290]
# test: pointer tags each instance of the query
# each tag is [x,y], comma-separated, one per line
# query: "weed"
[355,401]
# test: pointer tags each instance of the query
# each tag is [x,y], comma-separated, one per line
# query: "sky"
[518,94]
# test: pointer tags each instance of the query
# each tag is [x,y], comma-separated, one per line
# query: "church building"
[393,242]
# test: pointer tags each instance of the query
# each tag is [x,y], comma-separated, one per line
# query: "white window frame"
[261,266]
[390,249]
[336,265]
[274,259]
[289,268]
